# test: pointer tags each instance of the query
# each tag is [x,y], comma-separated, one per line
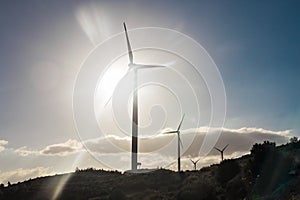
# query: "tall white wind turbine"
[135,67]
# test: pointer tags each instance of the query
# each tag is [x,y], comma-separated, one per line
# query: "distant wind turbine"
[135,67]
[195,163]
[221,151]
[179,140]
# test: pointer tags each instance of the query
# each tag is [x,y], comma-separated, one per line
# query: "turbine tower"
[195,163]
[221,151]
[179,143]
[135,67]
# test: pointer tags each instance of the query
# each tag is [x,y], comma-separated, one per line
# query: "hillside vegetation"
[269,172]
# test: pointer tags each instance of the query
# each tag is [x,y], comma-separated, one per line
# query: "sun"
[109,80]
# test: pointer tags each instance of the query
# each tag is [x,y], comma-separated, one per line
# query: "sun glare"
[109,81]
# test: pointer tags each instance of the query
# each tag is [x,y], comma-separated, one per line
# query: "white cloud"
[161,150]
[108,144]
[2,145]
[62,149]
[23,174]
[257,130]
[240,140]
[24,151]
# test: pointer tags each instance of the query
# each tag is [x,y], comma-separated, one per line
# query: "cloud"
[161,150]
[24,151]
[62,149]
[239,140]
[246,130]
[2,145]
[108,144]
[23,174]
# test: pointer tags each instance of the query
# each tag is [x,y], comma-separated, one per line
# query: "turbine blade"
[218,149]
[225,147]
[109,100]
[192,161]
[128,45]
[168,64]
[180,122]
[197,160]
[169,132]
[141,66]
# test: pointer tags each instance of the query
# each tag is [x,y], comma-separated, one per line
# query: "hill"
[269,172]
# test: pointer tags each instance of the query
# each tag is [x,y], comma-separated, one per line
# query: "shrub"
[227,170]
[200,190]
[261,153]
[269,166]
[236,189]
[117,194]
[293,140]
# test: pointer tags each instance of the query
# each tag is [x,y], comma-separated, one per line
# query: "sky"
[46,44]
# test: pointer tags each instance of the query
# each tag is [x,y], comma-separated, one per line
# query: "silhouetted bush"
[238,180]
[1,185]
[227,170]
[205,169]
[117,194]
[261,153]
[77,169]
[236,189]
[269,167]
[294,139]
[294,143]
[198,190]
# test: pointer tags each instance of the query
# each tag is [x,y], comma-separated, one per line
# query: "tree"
[269,167]
[77,169]
[294,140]
[1,185]
[294,143]
[261,153]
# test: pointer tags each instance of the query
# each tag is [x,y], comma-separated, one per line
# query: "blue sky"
[255,45]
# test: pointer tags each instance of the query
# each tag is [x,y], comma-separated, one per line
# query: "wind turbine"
[195,164]
[221,151]
[135,67]
[179,143]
